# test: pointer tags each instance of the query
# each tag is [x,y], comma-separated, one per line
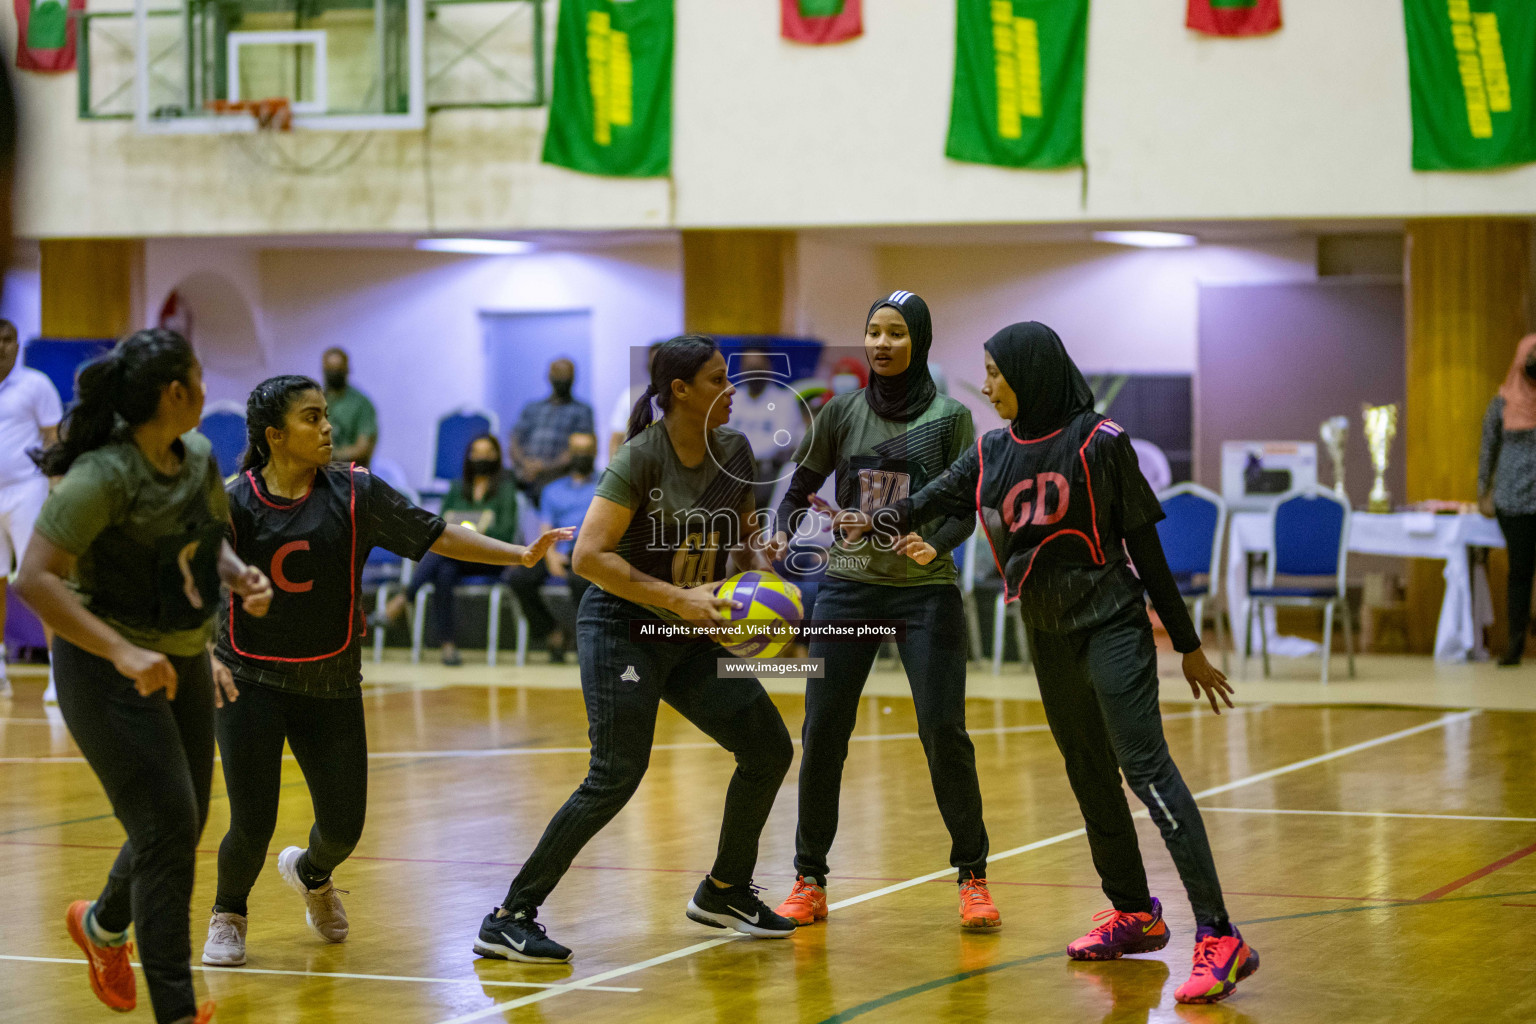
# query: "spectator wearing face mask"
[354,423]
[484,501]
[1506,483]
[540,442]
[564,503]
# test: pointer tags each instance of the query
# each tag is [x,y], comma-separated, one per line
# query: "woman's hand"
[854,525]
[223,684]
[1204,677]
[149,670]
[917,549]
[777,548]
[700,604]
[255,590]
[535,551]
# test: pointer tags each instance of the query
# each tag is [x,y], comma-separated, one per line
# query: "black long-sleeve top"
[1065,515]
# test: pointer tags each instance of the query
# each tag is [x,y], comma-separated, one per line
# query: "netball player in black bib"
[1064,503]
[671,513]
[885,442]
[309,523]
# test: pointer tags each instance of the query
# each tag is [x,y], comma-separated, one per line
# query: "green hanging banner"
[1472,78]
[1018,98]
[611,112]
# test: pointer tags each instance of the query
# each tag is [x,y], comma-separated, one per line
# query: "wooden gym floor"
[1382,859]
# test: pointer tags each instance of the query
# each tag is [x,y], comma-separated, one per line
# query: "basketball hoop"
[274,114]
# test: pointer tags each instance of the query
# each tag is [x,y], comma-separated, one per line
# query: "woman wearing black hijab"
[885,442]
[1063,504]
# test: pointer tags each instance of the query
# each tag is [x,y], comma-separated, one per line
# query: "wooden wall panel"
[733,281]
[90,286]
[1468,305]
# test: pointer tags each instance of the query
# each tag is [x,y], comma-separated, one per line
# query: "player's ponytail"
[268,407]
[681,358]
[122,386]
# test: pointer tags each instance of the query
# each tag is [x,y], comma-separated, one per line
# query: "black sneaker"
[737,907]
[518,936]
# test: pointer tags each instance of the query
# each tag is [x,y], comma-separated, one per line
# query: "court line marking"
[1363,814]
[1488,869]
[880,1002]
[587,983]
[350,977]
[701,871]
[1438,723]
[388,755]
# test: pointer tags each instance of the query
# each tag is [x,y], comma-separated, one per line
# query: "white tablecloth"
[1468,605]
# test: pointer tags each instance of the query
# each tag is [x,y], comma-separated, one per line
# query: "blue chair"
[388,572]
[1310,531]
[454,432]
[1191,534]
[384,569]
[224,425]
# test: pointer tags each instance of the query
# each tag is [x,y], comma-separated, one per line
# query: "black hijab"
[1050,388]
[904,396]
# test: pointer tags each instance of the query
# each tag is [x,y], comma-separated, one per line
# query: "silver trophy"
[1380,429]
[1335,431]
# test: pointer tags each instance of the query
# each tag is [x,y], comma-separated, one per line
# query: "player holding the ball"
[672,512]
[885,442]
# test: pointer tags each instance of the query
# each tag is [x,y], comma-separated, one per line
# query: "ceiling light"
[476,246]
[1146,239]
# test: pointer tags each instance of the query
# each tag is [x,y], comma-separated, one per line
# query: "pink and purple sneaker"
[1120,933]
[1221,961]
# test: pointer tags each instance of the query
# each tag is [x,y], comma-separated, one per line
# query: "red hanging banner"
[1234,17]
[816,22]
[46,34]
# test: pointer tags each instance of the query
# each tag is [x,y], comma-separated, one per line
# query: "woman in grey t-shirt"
[1506,479]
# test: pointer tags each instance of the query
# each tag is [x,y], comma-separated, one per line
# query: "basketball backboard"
[341,65]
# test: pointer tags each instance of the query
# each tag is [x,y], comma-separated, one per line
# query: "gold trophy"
[1380,429]
[1334,431]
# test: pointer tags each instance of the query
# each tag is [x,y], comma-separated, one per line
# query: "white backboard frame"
[300,37]
[202,123]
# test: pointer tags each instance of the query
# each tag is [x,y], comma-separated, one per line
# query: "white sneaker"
[5,687]
[226,941]
[323,911]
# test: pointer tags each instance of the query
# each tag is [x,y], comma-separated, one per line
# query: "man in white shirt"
[768,413]
[29,416]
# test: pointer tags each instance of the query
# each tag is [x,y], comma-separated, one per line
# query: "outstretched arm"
[469,546]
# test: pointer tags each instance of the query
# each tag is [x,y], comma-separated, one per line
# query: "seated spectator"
[485,500]
[540,441]
[354,423]
[565,502]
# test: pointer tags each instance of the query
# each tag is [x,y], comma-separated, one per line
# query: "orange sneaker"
[807,902]
[110,967]
[204,1013]
[977,910]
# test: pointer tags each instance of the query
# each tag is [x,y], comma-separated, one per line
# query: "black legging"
[154,758]
[329,741]
[623,682]
[445,575]
[1099,689]
[934,656]
[1520,539]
